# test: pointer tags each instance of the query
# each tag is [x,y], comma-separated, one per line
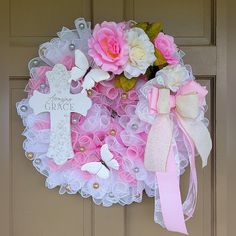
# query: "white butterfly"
[102,168]
[82,68]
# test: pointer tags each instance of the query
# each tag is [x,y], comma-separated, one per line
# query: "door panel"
[190,21]
[35,210]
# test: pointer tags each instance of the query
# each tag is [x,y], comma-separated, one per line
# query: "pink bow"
[189,90]
[185,104]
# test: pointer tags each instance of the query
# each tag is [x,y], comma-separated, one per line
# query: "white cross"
[60,103]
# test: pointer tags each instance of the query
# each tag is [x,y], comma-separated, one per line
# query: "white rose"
[173,76]
[141,53]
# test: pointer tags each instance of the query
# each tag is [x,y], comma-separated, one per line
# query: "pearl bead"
[96,185]
[42,86]
[23,108]
[90,92]
[35,62]
[82,149]
[37,161]
[113,132]
[68,188]
[136,169]
[74,120]
[134,126]
[72,47]
[81,26]
[124,96]
[29,155]
[111,195]
[138,195]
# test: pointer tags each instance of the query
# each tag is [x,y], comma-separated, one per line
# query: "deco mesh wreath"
[114,111]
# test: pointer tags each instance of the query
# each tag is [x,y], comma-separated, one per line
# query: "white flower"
[173,76]
[141,53]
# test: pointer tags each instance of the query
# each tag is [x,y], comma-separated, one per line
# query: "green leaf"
[142,25]
[126,84]
[153,30]
[117,82]
[160,58]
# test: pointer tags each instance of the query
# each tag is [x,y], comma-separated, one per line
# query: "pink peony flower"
[108,46]
[165,44]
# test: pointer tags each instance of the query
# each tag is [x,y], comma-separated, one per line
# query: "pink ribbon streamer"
[169,191]
[168,180]
[170,198]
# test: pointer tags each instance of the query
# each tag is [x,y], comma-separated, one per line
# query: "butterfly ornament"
[83,70]
[102,167]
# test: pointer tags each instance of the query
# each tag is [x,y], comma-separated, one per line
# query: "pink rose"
[165,44]
[108,46]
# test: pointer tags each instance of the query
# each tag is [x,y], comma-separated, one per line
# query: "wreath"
[113,112]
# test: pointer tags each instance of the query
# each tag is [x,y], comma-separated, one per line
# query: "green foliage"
[152,30]
[160,59]
[126,84]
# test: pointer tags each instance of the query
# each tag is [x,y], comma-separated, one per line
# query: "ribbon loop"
[185,105]
[163,102]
